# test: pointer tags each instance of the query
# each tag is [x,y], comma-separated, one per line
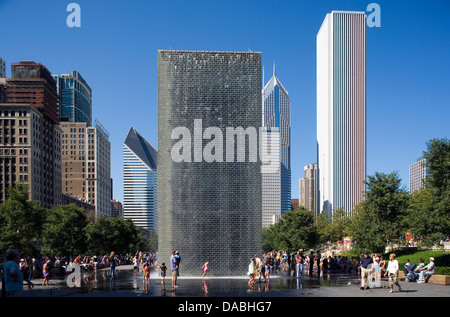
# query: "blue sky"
[115,50]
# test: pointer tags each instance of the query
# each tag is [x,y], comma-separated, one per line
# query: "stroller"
[411,276]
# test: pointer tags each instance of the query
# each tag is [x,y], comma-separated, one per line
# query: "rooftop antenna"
[274,68]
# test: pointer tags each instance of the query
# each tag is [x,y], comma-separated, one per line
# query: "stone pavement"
[281,285]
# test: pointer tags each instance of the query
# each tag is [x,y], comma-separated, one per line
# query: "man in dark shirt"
[365,270]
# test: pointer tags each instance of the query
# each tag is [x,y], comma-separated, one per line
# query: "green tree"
[21,221]
[295,230]
[379,217]
[114,234]
[333,228]
[64,231]
[437,157]
[419,220]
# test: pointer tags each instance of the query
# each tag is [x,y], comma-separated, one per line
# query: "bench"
[433,279]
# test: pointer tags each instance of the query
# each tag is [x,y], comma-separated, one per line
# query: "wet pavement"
[282,284]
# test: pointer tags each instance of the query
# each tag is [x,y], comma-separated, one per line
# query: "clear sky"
[115,50]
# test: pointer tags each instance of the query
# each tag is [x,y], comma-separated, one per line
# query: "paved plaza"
[281,284]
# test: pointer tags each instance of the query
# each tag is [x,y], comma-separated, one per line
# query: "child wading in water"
[163,268]
[205,268]
[266,271]
[146,270]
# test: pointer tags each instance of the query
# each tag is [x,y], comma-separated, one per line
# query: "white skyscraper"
[341,110]
[140,177]
[418,172]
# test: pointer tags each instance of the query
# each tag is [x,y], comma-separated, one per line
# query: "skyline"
[406,72]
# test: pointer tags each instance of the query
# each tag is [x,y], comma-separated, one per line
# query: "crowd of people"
[17,268]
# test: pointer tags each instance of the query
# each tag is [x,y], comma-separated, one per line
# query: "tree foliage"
[380,216]
[64,230]
[437,183]
[114,234]
[294,231]
[21,221]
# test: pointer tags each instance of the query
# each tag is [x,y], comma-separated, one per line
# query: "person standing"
[376,270]
[251,271]
[318,258]
[299,265]
[392,271]
[146,277]
[365,270]
[174,267]
[46,272]
[163,268]
[112,265]
[311,262]
[13,276]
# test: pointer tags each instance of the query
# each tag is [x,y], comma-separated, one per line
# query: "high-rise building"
[276,186]
[30,139]
[116,208]
[75,98]
[418,172]
[209,182]
[341,110]
[2,68]
[86,164]
[308,188]
[140,181]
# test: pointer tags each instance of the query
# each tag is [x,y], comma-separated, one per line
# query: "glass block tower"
[277,118]
[76,98]
[209,210]
[341,110]
[140,176]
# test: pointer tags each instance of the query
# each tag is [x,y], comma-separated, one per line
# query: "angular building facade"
[341,110]
[140,181]
[209,203]
[276,186]
[75,98]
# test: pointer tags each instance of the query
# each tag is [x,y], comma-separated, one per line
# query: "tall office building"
[2,68]
[418,172]
[140,181]
[341,110]
[276,186]
[86,164]
[75,98]
[30,138]
[209,180]
[308,188]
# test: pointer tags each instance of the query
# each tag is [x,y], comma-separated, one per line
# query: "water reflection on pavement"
[127,283]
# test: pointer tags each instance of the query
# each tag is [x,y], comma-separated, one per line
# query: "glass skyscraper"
[76,98]
[140,178]
[276,186]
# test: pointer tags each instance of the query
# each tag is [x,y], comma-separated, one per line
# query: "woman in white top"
[392,271]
